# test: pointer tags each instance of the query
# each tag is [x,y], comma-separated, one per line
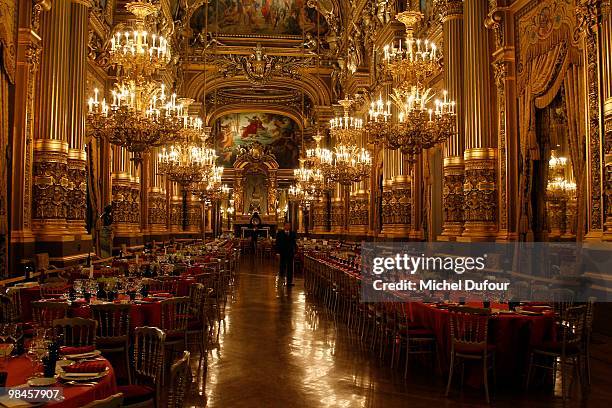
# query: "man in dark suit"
[286,243]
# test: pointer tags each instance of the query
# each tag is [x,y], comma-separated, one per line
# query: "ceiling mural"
[279,134]
[267,17]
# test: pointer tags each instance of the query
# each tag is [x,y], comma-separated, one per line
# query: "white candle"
[91,271]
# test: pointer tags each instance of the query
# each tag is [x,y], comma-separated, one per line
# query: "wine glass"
[78,286]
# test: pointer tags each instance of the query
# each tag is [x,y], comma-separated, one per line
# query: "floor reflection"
[279,348]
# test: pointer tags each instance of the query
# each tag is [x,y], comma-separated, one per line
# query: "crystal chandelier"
[347,163]
[558,187]
[379,120]
[140,116]
[310,180]
[421,124]
[186,162]
[413,60]
[210,186]
[136,48]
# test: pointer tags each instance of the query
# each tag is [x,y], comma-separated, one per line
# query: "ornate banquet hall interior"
[193,194]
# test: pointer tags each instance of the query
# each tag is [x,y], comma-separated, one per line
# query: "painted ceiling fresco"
[268,17]
[279,134]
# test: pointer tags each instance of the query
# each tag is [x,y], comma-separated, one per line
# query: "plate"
[41,381]
[83,356]
[83,376]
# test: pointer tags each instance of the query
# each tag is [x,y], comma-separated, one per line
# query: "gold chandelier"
[140,116]
[186,162]
[136,48]
[422,121]
[210,186]
[413,60]
[558,187]
[421,124]
[347,163]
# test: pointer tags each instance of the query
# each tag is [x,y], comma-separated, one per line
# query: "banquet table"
[20,369]
[513,335]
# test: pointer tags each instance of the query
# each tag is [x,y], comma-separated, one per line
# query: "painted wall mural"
[271,17]
[280,134]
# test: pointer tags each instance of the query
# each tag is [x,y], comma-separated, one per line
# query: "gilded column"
[337,210]
[50,170]
[607,91]
[157,206]
[453,170]
[176,208]
[500,21]
[77,160]
[589,15]
[29,46]
[480,156]
[319,214]
[122,197]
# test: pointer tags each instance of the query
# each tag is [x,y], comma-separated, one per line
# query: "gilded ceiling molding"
[260,68]
[313,87]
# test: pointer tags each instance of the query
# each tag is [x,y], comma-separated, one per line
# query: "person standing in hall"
[286,243]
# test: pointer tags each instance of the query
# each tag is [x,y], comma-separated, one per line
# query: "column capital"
[86,3]
[449,9]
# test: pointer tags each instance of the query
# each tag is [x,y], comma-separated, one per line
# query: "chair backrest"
[197,300]
[174,315]
[148,356]
[5,309]
[469,328]
[53,289]
[169,285]
[14,295]
[77,331]
[113,321]
[590,310]
[179,381]
[44,312]
[573,324]
[114,401]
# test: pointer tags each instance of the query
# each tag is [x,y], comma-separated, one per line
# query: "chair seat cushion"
[466,348]
[134,394]
[557,348]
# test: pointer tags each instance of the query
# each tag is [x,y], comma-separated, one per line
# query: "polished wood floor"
[277,347]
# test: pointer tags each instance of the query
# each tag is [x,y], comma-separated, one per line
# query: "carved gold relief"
[452,195]
[51,183]
[157,211]
[480,192]
[77,192]
[319,215]
[337,214]
[588,14]
[359,209]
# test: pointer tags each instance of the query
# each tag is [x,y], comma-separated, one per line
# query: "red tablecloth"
[20,369]
[512,334]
